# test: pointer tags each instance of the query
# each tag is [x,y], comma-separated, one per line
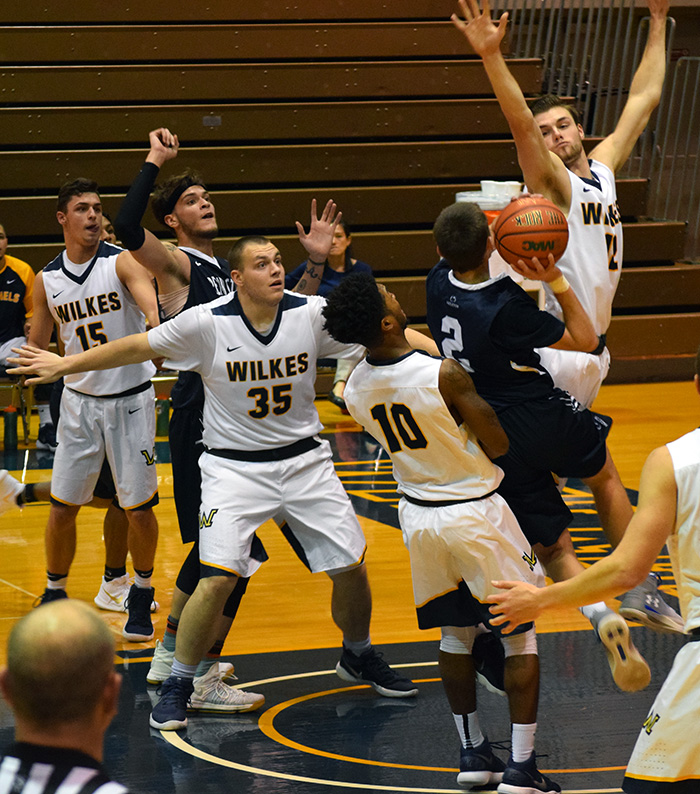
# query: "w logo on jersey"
[207,519]
[530,559]
[150,456]
[650,721]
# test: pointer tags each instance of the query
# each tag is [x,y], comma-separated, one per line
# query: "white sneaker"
[9,491]
[161,665]
[211,694]
[112,595]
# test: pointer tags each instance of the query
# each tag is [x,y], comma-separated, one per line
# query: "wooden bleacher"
[379,106]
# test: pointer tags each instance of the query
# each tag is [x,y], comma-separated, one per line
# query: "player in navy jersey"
[94,292]
[492,327]
[549,141]
[189,274]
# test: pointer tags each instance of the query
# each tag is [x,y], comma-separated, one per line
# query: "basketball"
[530,227]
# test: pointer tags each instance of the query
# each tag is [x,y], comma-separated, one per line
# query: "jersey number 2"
[406,427]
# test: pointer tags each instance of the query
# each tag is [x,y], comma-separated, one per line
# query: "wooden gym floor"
[316,733]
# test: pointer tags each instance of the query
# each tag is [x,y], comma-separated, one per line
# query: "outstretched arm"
[46,367]
[644,95]
[169,265]
[465,405]
[139,282]
[318,244]
[625,568]
[543,171]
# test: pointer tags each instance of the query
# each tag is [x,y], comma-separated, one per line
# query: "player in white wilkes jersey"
[95,292]
[666,757]
[256,351]
[459,532]
[549,141]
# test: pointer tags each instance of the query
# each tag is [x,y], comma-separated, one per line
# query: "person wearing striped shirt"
[61,684]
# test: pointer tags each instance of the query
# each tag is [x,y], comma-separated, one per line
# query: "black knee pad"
[189,571]
[234,600]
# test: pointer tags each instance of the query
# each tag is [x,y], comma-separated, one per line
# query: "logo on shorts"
[530,559]
[207,519]
[649,722]
[150,456]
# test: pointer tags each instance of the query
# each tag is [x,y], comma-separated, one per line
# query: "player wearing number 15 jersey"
[94,292]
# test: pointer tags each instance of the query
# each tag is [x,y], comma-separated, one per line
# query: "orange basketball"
[530,227]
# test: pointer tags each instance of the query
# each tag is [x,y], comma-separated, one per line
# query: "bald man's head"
[59,659]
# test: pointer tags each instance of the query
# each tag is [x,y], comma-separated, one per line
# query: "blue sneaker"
[49,595]
[139,627]
[523,777]
[170,714]
[490,662]
[478,766]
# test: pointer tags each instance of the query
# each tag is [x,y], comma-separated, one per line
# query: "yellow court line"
[173,738]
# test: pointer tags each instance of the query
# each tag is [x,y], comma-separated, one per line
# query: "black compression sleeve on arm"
[127,224]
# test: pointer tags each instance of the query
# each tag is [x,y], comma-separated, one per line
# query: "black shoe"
[139,627]
[48,596]
[47,438]
[170,713]
[478,766]
[523,777]
[370,668]
[489,662]
[339,401]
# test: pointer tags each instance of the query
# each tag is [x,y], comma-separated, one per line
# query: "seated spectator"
[61,684]
[340,264]
[16,308]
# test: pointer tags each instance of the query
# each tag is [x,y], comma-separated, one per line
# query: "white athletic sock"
[183,670]
[523,736]
[44,414]
[57,584]
[142,581]
[358,648]
[469,729]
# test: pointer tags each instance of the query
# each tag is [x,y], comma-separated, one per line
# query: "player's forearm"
[510,97]
[128,350]
[607,578]
[580,332]
[311,278]
[127,224]
[648,80]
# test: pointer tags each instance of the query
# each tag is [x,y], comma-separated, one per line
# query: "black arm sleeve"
[127,224]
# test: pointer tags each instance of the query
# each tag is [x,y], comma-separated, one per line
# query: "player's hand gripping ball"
[530,226]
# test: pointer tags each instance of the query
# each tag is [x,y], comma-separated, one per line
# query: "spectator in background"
[16,308]
[61,685]
[340,264]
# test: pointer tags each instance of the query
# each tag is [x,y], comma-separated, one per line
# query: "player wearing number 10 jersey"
[459,532]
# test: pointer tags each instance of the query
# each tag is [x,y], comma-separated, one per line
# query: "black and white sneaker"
[490,662]
[139,627]
[47,438]
[523,777]
[478,766]
[170,713]
[370,668]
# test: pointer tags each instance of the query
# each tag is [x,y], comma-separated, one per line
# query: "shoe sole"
[484,681]
[168,725]
[346,675]
[484,778]
[652,620]
[507,788]
[138,637]
[629,670]
[155,678]
[225,709]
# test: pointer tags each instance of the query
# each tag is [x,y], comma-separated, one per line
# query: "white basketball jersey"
[592,261]
[399,403]
[259,390]
[91,307]
[684,543]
